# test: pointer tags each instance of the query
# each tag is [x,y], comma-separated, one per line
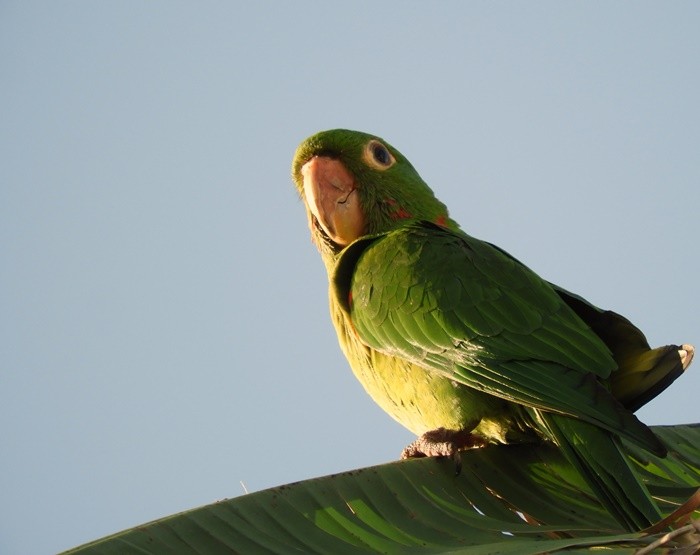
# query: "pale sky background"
[163,312]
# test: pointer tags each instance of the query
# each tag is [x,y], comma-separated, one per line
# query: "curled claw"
[442,442]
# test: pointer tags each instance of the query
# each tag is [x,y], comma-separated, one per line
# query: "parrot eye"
[378,156]
[381,154]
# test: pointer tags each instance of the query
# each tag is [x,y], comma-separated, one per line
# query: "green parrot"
[463,344]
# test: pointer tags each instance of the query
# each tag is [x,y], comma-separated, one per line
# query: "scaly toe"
[442,443]
[686,353]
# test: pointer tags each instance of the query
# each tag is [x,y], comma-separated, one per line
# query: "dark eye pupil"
[381,155]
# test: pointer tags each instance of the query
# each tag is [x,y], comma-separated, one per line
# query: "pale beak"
[332,197]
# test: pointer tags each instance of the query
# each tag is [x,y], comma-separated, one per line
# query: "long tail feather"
[597,455]
[643,374]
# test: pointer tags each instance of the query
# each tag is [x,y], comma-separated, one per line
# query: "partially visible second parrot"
[463,344]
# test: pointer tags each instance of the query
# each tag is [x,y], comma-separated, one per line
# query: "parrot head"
[354,184]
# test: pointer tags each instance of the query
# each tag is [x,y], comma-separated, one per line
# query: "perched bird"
[463,344]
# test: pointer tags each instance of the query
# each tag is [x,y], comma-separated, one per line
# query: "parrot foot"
[444,443]
[686,353]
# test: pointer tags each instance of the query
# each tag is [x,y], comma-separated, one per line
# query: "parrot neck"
[389,213]
[331,252]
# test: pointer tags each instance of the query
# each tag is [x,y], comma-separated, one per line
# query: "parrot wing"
[461,307]
[642,372]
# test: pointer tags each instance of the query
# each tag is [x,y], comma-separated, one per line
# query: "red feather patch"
[398,212]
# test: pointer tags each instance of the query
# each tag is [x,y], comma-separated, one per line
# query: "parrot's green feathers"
[391,194]
[484,321]
[449,332]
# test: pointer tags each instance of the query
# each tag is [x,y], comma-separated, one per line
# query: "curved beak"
[332,197]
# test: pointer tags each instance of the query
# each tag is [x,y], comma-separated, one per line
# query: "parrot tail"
[643,374]
[598,456]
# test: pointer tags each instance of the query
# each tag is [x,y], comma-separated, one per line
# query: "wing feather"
[461,307]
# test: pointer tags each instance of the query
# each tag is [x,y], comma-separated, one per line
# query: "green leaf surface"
[508,499]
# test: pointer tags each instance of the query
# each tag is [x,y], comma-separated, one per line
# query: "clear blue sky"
[163,313]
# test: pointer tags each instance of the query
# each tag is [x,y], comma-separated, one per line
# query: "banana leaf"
[521,499]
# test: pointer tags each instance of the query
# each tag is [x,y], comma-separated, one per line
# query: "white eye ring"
[378,156]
